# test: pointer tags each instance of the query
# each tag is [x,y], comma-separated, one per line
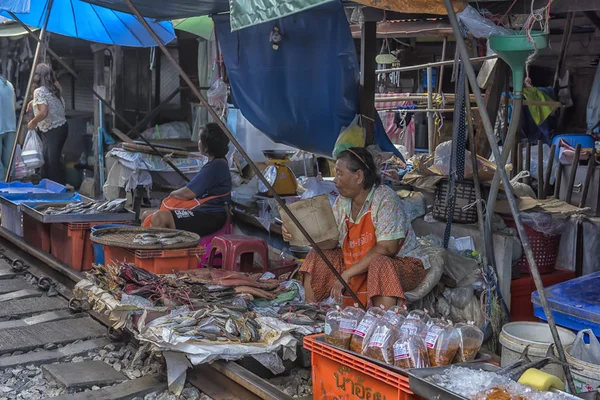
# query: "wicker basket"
[545,249]
[465,197]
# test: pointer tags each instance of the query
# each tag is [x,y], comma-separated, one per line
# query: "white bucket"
[587,376]
[515,336]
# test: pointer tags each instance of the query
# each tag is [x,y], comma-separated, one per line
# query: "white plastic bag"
[217,96]
[20,170]
[316,186]
[589,353]
[479,25]
[32,150]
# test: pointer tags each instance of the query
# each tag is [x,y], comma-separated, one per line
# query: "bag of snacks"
[380,344]
[365,328]
[333,334]
[470,339]
[442,343]
[410,351]
[414,327]
[351,317]
[421,315]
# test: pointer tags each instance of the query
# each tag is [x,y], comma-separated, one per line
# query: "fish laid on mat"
[166,238]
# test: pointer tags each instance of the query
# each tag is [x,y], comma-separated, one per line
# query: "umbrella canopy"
[16,6]
[199,26]
[10,28]
[76,18]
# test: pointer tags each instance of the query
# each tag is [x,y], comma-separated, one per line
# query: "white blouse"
[56,109]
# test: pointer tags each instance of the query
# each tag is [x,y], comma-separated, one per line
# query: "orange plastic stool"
[244,247]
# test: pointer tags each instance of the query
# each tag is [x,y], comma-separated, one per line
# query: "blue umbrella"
[16,6]
[86,21]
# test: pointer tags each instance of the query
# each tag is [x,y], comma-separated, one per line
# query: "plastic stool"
[244,247]
[207,240]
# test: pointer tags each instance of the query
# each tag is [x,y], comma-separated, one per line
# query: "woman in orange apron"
[201,205]
[373,253]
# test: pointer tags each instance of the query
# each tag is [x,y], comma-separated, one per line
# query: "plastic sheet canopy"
[306,91]
[245,13]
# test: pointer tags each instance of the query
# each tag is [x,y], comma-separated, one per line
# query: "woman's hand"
[338,288]
[287,236]
[32,124]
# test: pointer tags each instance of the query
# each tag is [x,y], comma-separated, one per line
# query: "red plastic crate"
[521,308]
[340,375]
[71,243]
[545,249]
[36,233]
[158,261]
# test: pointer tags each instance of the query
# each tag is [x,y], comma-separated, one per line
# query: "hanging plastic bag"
[353,135]
[589,353]
[32,153]
[217,97]
[20,170]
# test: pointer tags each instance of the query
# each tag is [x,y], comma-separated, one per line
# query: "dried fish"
[90,207]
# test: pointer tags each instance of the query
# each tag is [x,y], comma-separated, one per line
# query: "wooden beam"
[368,52]
[492,103]
[564,45]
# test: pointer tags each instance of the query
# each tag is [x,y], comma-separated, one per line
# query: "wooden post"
[430,127]
[493,95]
[28,93]
[368,52]
[564,45]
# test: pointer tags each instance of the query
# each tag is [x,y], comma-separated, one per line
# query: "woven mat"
[123,237]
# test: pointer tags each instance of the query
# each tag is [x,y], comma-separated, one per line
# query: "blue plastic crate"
[45,186]
[573,139]
[575,304]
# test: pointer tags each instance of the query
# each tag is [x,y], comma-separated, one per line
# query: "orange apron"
[172,204]
[357,243]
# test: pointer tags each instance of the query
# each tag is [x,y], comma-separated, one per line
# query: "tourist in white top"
[8,123]
[49,120]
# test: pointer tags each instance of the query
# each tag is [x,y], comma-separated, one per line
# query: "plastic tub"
[99,248]
[574,303]
[573,139]
[515,336]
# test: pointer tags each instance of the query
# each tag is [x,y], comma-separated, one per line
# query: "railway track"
[49,347]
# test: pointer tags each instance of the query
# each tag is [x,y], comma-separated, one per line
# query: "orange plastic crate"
[71,243]
[158,261]
[340,375]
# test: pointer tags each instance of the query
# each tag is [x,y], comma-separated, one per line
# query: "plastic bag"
[217,96]
[363,331]
[470,341]
[410,351]
[589,353]
[478,25]
[543,223]
[421,315]
[442,343]
[352,315]
[21,170]
[414,327]
[352,136]
[334,335]
[442,156]
[381,343]
[521,189]
[533,165]
[32,153]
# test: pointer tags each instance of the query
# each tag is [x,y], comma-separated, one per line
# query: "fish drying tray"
[34,211]
[123,237]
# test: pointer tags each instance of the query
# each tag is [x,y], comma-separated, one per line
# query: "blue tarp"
[303,93]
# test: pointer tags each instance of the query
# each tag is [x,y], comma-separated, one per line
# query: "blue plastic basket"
[45,186]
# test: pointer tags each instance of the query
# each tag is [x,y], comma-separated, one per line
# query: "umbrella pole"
[237,145]
[106,103]
[489,131]
[34,63]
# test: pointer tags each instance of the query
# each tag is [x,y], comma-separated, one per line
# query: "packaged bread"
[364,329]
[351,317]
[410,351]
[470,339]
[421,315]
[399,310]
[394,317]
[380,345]
[414,327]
[442,344]
[333,334]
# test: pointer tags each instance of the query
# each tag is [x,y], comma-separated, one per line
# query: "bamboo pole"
[27,96]
[430,123]
[489,130]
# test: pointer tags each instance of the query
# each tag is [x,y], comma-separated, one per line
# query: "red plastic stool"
[244,247]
